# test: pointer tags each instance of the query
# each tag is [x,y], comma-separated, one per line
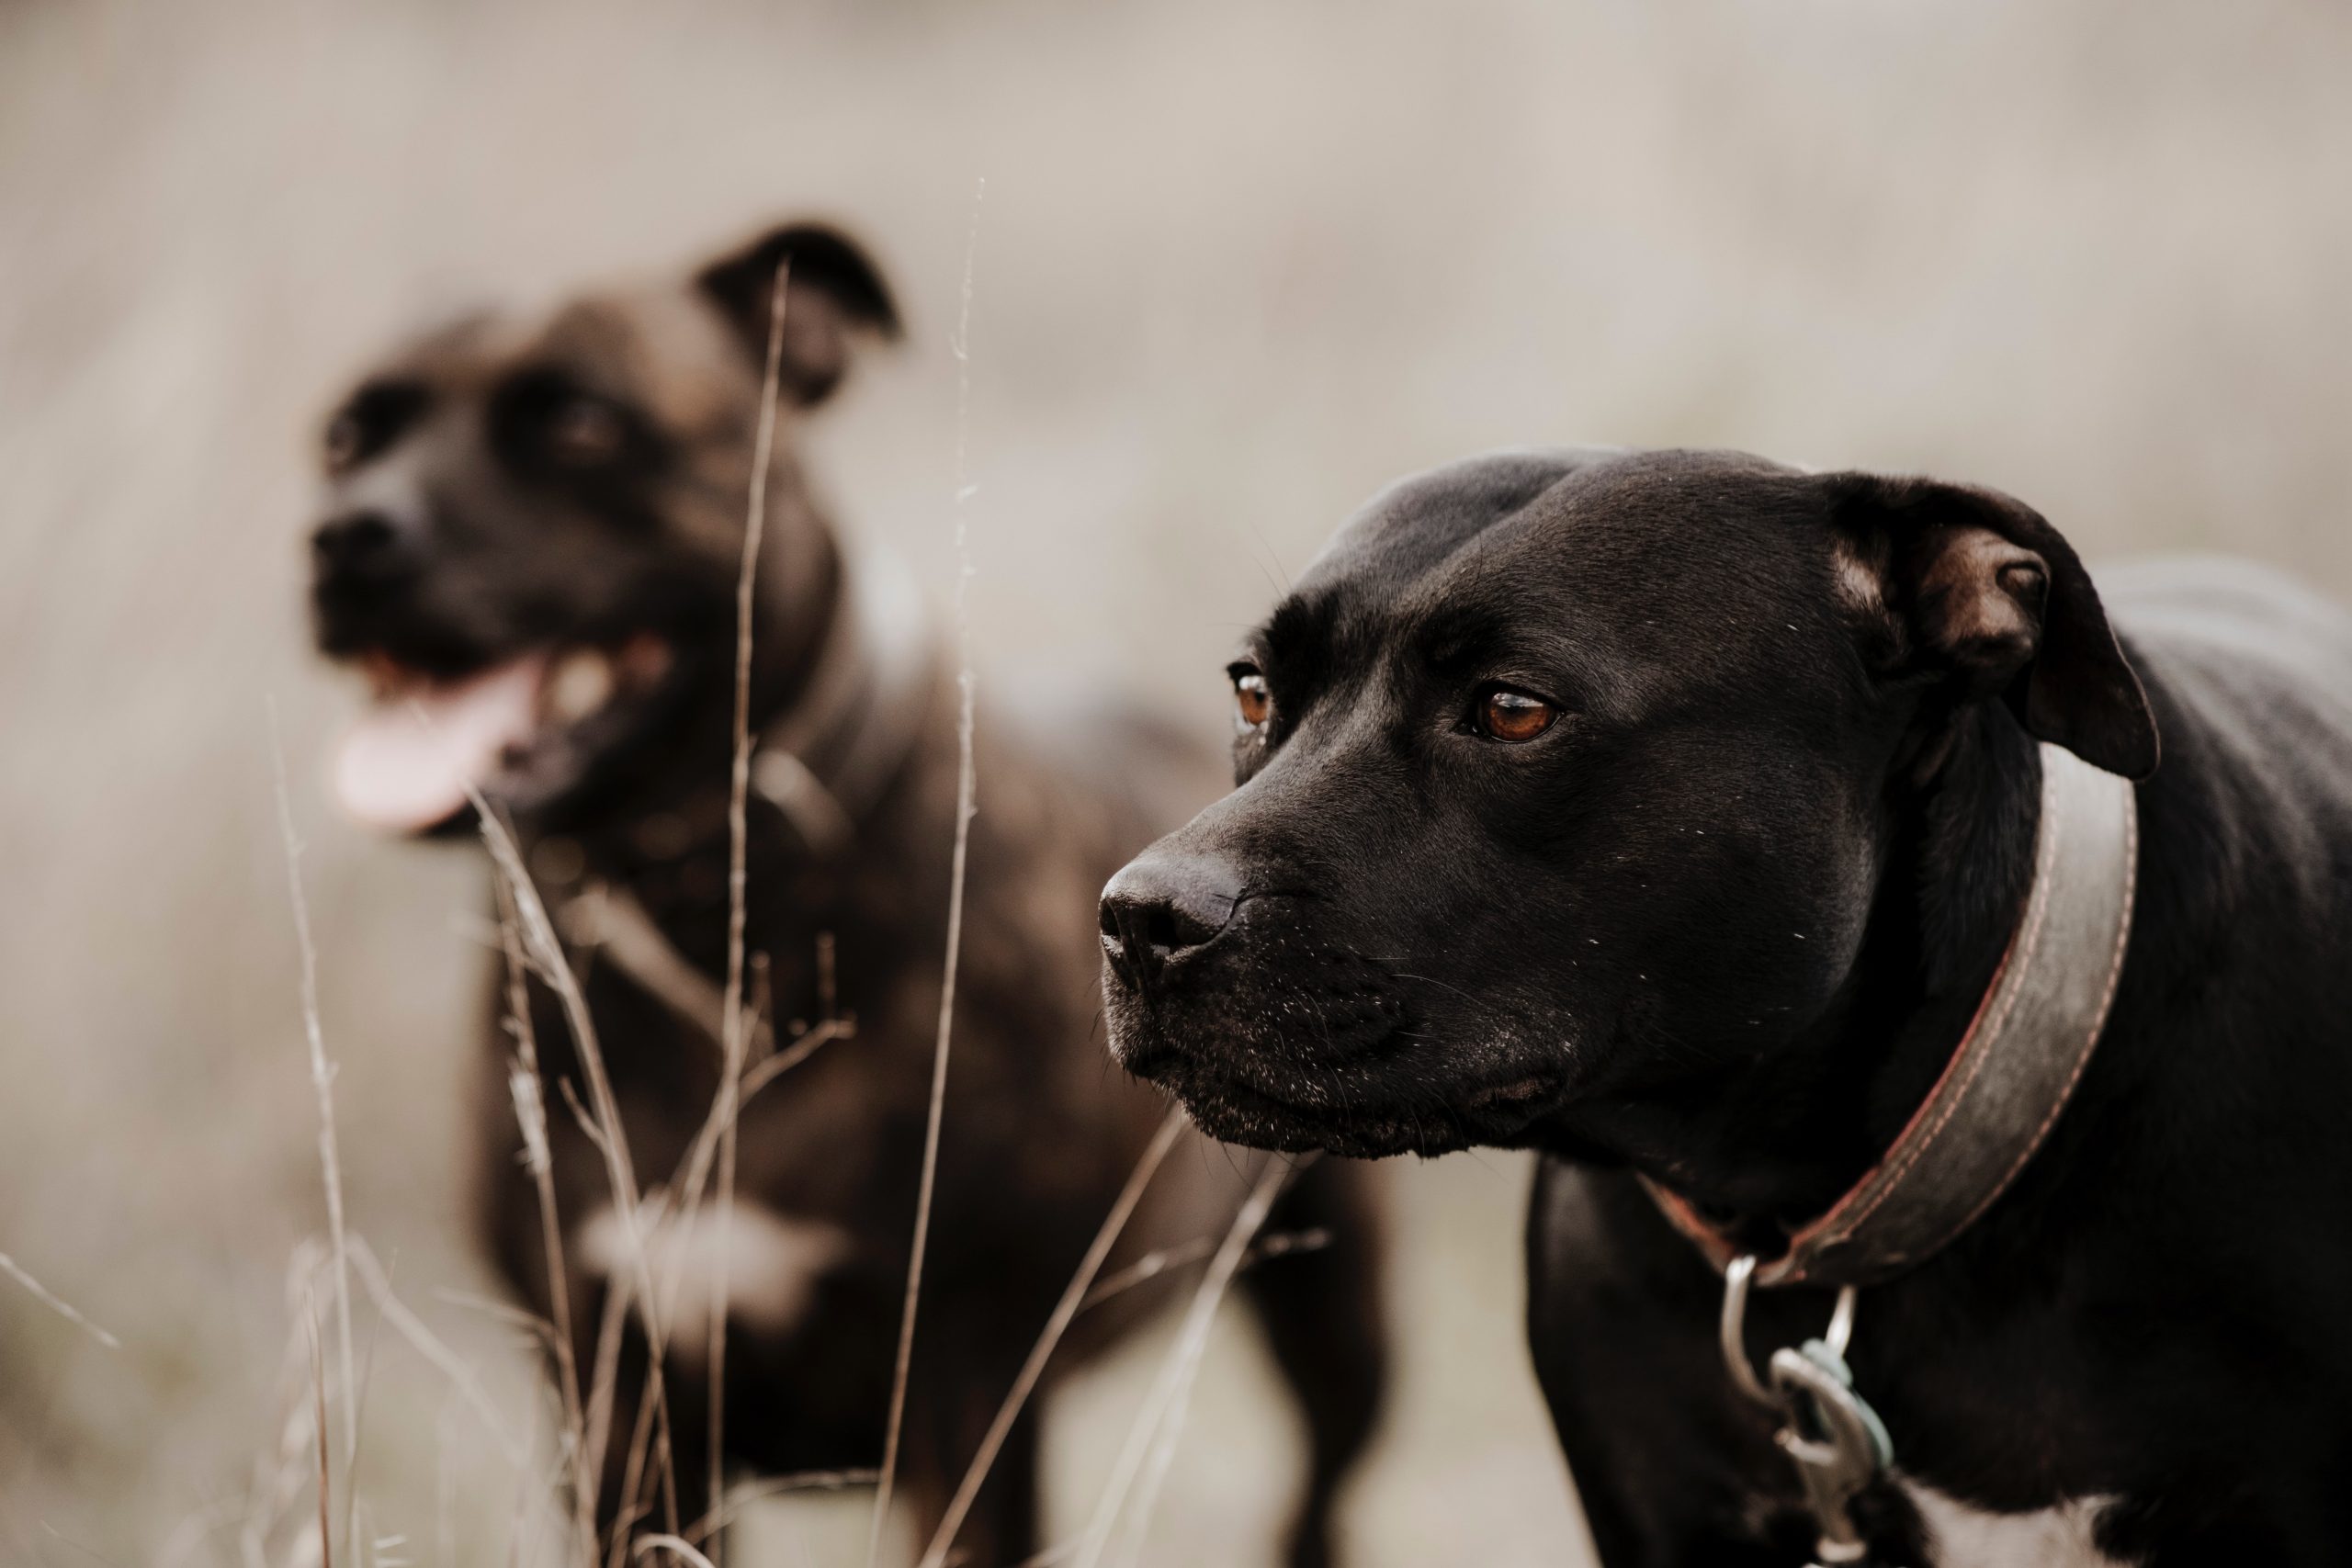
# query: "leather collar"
[826,761]
[824,764]
[2014,1069]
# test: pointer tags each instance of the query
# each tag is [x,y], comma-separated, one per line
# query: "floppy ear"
[832,293]
[1980,588]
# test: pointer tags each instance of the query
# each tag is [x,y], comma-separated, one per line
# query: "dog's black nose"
[357,542]
[1161,907]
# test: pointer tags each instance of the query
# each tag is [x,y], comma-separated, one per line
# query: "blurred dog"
[1763,847]
[531,546]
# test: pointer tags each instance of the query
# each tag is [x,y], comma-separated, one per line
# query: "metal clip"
[1835,1438]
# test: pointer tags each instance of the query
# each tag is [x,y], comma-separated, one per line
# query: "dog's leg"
[656,1471]
[1012,1512]
[1003,1527]
[1322,1309]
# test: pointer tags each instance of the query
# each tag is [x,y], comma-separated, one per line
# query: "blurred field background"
[1239,265]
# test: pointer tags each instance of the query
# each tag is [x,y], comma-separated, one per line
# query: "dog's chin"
[1296,1111]
[1366,1125]
[1235,1113]
[525,732]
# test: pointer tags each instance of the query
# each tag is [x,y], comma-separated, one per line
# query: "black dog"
[1672,813]
[533,535]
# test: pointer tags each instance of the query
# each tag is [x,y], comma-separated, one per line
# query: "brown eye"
[344,439]
[1253,703]
[1505,714]
[376,416]
[585,431]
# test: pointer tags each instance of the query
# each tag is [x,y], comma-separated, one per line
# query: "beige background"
[1239,265]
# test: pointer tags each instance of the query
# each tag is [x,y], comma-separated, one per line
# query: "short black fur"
[1721,925]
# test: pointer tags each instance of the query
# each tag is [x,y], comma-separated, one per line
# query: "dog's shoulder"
[2252,675]
[2223,611]
[2236,963]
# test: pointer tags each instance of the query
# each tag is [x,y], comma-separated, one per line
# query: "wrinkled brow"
[1456,637]
[1489,631]
[1299,631]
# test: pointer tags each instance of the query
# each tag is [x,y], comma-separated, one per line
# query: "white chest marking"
[768,1265]
[1963,1537]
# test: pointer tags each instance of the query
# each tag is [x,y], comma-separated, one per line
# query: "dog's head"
[1562,773]
[532,528]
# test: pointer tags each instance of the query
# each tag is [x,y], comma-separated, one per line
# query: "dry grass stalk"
[531,1116]
[319,1388]
[712,1148]
[193,1531]
[748,1493]
[676,1545]
[714,1145]
[607,922]
[1152,1264]
[543,950]
[894,1424]
[62,1308]
[429,1344]
[323,1085]
[682,1205]
[604,1379]
[1074,1296]
[803,1047]
[526,1491]
[646,1452]
[354,1511]
[735,1037]
[1223,1268]
[277,1478]
[1151,1440]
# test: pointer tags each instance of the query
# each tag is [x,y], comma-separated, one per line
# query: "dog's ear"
[1980,589]
[832,293]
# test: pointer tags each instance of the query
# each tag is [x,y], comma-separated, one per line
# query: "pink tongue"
[405,765]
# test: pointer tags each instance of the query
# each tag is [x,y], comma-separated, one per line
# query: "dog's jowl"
[1890,939]
[532,547]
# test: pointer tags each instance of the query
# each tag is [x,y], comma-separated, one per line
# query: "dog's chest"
[764,1265]
[1963,1537]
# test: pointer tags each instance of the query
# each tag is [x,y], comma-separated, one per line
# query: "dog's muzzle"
[1160,910]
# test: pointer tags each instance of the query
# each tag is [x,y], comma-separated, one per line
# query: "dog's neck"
[1767,1142]
[671,810]
[836,716]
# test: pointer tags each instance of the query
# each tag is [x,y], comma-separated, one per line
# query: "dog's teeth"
[385,678]
[578,686]
[644,658]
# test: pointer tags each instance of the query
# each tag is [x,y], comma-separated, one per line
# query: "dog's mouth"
[518,730]
[1359,1120]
